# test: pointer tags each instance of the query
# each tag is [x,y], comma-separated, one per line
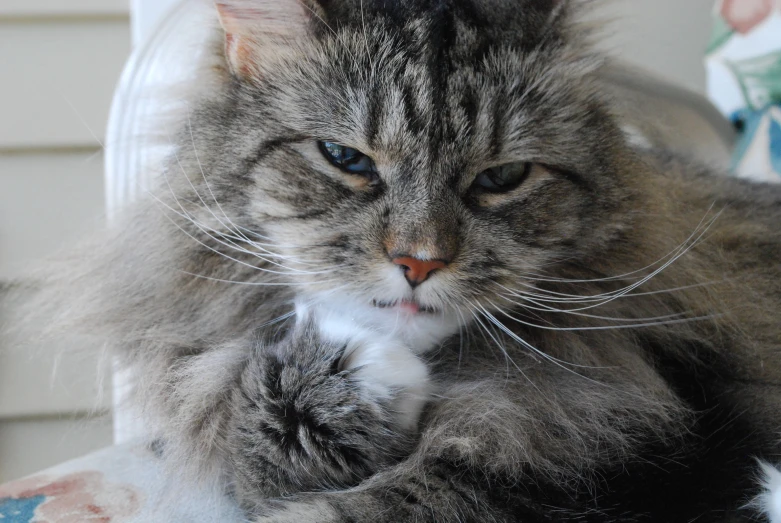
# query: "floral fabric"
[744,81]
[121,484]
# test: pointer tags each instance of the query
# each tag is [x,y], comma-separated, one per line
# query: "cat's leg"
[499,450]
[437,494]
[430,486]
[315,411]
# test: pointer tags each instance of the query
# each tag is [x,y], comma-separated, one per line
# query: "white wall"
[668,37]
[59,61]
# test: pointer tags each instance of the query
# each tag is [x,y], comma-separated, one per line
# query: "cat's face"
[410,163]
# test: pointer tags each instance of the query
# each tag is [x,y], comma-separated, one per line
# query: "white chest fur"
[389,369]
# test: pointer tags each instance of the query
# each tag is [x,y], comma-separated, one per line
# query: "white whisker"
[528,345]
[255,283]
[239,249]
[625,275]
[649,323]
[681,251]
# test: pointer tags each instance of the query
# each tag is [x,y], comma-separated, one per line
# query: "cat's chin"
[419,327]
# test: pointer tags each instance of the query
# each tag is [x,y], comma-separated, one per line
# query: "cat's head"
[405,161]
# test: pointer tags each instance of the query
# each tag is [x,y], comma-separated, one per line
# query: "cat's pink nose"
[417,271]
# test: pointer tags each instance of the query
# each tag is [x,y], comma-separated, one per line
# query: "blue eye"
[503,178]
[348,159]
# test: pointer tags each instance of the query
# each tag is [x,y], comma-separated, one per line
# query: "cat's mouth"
[408,306]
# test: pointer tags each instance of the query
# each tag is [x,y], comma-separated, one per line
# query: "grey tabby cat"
[408,268]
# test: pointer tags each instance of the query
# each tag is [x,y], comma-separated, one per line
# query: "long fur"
[605,336]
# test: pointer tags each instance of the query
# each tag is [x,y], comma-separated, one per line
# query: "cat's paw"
[316,411]
[388,372]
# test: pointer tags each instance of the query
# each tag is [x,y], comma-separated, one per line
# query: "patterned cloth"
[121,484]
[744,81]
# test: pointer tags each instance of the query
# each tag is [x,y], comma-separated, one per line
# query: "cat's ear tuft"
[252,26]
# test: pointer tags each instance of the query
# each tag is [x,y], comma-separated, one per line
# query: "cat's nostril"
[417,271]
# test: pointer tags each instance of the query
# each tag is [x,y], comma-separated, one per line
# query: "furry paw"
[388,372]
[318,411]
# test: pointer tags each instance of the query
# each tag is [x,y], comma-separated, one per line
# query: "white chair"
[163,56]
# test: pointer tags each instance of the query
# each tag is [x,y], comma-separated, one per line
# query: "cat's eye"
[348,159]
[503,178]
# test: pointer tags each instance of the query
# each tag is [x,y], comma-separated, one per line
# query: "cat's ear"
[254,28]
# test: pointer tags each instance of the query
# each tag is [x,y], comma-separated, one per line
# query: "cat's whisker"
[564,364]
[681,251]
[278,319]
[542,300]
[575,298]
[534,351]
[674,289]
[508,360]
[529,309]
[184,214]
[254,233]
[625,275]
[263,254]
[263,257]
[240,262]
[196,223]
[462,332]
[204,230]
[207,229]
[553,296]
[559,363]
[670,319]
[546,308]
[187,177]
[556,362]
[295,259]
[257,284]
[231,225]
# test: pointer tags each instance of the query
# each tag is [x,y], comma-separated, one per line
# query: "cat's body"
[597,342]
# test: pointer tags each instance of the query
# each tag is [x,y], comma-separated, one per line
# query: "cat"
[404,265]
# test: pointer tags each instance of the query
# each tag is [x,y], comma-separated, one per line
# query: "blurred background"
[60,61]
